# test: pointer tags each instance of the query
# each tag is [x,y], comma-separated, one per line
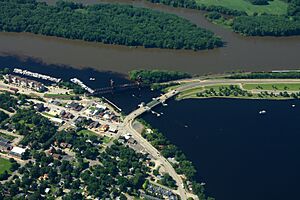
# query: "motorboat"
[262,112]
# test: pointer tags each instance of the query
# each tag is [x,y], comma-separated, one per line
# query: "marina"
[36,75]
[81,84]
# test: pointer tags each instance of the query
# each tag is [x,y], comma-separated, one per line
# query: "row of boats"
[52,79]
[36,75]
[81,84]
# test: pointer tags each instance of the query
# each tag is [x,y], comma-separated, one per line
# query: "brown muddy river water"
[240,53]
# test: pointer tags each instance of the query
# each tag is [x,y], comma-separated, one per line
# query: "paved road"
[203,83]
[128,122]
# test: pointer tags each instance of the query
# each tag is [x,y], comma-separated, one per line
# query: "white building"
[17,151]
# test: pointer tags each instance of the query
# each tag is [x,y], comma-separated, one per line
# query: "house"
[26,83]
[94,125]
[75,106]
[104,128]
[47,190]
[17,151]
[39,107]
[5,145]
[113,129]
[132,141]
[15,90]
[56,121]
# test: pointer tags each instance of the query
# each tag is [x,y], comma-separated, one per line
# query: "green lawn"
[276,86]
[277,7]
[4,165]
[60,96]
[192,90]
[49,115]
[106,139]
[86,132]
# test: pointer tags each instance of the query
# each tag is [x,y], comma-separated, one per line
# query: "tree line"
[156,76]
[168,150]
[107,23]
[266,75]
[271,25]
[192,4]
[267,25]
[259,2]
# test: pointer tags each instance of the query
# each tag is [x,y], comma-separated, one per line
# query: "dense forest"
[107,23]
[271,25]
[267,25]
[266,75]
[156,76]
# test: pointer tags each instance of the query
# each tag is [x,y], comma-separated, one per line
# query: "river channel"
[239,154]
[240,53]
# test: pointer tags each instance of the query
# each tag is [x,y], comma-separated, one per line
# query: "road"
[202,83]
[189,84]
[128,125]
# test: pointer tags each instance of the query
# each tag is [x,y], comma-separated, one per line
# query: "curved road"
[189,83]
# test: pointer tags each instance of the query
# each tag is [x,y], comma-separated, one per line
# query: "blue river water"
[239,153]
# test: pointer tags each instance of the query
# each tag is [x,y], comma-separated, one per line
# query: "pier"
[36,75]
[81,84]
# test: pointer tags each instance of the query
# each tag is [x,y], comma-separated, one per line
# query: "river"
[239,154]
[240,53]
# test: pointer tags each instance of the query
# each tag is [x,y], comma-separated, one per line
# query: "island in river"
[240,53]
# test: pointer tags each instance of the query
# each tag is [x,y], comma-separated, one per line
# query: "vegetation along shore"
[107,23]
[255,85]
[249,17]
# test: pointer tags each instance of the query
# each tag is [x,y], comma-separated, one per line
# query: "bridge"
[159,100]
[117,88]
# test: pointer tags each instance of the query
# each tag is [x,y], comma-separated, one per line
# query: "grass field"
[106,139]
[86,132]
[192,93]
[60,96]
[276,7]
[4,165]
[276,86]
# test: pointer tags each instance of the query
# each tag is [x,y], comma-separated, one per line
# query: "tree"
[4,175]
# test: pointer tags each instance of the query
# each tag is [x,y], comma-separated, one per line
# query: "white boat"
[293,105]
[262,112]
[92,79]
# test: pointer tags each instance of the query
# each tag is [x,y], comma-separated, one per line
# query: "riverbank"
[273,89]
